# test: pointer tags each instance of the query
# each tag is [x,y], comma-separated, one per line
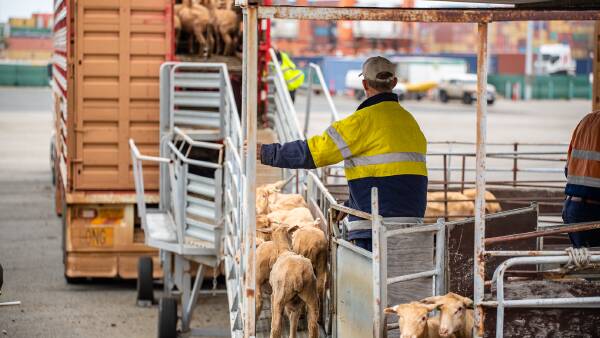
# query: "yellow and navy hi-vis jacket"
[294,78]
[583,160]
[381,145]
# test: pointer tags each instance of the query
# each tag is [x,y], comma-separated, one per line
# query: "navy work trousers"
[577,212]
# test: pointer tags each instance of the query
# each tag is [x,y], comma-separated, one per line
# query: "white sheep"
[413,320]
[456,315]
[294,286]
[311,243]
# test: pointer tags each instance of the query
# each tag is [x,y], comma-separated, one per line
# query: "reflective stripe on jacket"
[381,146]
[378,140]
[583,160]
[294,78]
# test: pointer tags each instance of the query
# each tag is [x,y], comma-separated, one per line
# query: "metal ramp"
[188,226]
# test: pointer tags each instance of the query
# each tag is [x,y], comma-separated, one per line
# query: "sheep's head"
[281,234]
[412,318]
[453,311]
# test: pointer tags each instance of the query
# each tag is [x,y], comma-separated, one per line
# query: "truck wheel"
[490,102]
[467,99]
[444,96]
[167,317]
[145,287]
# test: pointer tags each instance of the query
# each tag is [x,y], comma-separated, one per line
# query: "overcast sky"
[23,8]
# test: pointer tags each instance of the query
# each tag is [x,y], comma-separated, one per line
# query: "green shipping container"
[8,75]
[545,87]
[24,75]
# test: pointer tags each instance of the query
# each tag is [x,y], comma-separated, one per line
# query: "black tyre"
[490,102]
[145,287]
[467,98]
[444,96]
[167,317]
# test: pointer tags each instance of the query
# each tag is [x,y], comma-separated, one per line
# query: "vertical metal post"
[379,266]
[596,69]
[308,99]
[251,108]
[445,188]
[479,250]
[440,256]
[529,61]
[462,180]
[515,164]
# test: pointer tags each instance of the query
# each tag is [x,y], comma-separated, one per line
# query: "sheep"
[262,222]
[490,207]
[413,321]
[293,216]
[458,206]
[294,286]
[456,317]
[264,192]
[311,243]
[266,255]
[195,19]
[278,201]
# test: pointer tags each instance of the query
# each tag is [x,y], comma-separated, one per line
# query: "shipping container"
[23,74]
[28,55]
[107,55]
[42,20]
[28,32]
[106,63]
[21,22]
[22,43]
[510,64]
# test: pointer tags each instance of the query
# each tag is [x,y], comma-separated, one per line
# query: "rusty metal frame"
[253,12]
[423,15]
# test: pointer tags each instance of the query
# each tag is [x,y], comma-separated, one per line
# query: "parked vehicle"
[555,59]
[463,87]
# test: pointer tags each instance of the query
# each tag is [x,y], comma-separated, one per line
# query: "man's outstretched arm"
[293,155]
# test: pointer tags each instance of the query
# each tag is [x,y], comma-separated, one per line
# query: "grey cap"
[376,65]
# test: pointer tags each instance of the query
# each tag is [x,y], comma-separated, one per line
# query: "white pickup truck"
[354,83]
[463,87]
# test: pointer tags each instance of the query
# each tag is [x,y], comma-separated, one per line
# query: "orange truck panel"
[118,49]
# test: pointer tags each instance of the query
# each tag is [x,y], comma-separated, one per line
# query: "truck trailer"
[106,62]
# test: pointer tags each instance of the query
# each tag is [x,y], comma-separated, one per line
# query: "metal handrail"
[501,303]
[335,116]
[141,157]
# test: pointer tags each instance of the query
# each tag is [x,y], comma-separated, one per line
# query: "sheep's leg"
[228,44]
[276,313]
[259,301]
[293,313]
[311,299]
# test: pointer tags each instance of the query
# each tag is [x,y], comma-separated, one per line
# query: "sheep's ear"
[468,302]
[431,307]
[393,309]
[431,300]
[265,230]
[293,228]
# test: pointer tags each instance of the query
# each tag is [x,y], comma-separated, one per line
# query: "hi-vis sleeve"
[337,142]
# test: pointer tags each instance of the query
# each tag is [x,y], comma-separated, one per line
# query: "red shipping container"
[511,64]
[29,43]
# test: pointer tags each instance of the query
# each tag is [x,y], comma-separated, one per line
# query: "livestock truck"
[107,55]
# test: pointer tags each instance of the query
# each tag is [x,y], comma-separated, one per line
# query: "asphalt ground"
[30,233]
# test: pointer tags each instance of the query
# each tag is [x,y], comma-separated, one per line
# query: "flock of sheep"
[291,266]
[214,24]
[291,258]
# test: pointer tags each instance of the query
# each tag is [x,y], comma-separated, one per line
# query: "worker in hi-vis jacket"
[582,203]
[381,146]
[294,77]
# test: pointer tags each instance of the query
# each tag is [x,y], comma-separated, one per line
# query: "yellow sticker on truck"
[99,237]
